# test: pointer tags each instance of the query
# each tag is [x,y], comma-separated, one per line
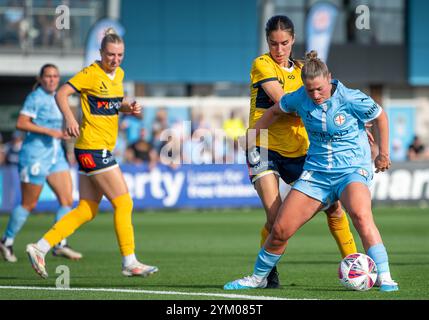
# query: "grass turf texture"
[199,252]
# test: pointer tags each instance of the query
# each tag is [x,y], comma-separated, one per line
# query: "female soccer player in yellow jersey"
[101,91]
[273,74]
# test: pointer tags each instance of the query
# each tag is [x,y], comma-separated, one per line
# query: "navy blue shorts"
[94,161]
[261,162]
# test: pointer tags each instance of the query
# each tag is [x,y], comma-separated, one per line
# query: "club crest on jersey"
[339,119]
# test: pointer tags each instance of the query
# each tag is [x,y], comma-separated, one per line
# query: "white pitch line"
[220,295]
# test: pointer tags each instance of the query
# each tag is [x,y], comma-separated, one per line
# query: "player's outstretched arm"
[382,161]
[267,119]
[25,123]
[72,126]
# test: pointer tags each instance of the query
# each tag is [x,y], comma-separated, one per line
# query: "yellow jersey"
[287,135]
[101,99]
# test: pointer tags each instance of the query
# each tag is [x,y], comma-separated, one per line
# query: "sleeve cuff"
[28,114]
[258,84]
[69,83]
[281,103]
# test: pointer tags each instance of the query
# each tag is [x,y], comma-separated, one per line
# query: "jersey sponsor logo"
[104,106]
[339,119]
[326,136]
[291,77]
[87,161]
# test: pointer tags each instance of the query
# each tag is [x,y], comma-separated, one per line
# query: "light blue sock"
[378,253]
[62,211]
[265,262]
[16,220]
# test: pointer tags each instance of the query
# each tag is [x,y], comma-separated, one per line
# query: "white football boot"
[250,282]
[7,253]
[66,252]
[37,259]
[386,284]
[139,269]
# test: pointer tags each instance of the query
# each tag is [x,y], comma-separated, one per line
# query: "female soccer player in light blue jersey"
[41,159]
[338,166]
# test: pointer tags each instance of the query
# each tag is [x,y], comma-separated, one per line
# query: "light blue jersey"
[339,151]
[41,155]
[336,128]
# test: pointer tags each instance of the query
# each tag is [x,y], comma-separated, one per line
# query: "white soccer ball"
[357,271]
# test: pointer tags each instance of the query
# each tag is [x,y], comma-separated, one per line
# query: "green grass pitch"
[198,252]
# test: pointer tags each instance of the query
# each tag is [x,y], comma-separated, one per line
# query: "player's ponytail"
[41,73]
[313,67]
[110,36]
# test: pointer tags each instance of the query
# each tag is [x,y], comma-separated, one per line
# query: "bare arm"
[268,118]
[131,108]
[24,123]
[382,160]
[72,126]
[264,122]
[274,90]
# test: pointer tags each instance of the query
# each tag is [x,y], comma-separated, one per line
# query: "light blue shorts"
[327,187]
[36,170]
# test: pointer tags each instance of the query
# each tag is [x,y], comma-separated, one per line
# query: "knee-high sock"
[16,220]
[340,230]
[62,211]
[123,206]
[378,253]
[264,235]
[265,262]
[84,212]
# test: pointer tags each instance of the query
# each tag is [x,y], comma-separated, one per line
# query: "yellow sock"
[264,235]
[84,212]
[340,229]
[123,206]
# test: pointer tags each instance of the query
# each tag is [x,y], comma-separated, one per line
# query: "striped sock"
[265,262]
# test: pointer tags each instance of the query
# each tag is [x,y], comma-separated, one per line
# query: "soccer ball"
[358,272]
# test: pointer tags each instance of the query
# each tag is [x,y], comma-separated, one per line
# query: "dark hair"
[313,67]
[110,36]
[46,66]
[42,72]
[281,22]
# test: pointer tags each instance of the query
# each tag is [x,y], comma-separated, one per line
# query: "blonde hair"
[110,36]
[313,67]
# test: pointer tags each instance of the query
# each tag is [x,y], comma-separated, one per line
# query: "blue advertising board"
[189,186]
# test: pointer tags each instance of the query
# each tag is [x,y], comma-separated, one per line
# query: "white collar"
[291,68]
